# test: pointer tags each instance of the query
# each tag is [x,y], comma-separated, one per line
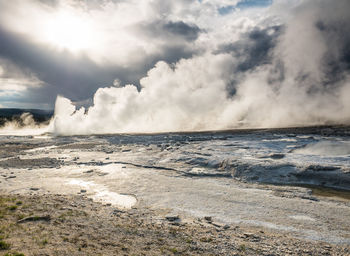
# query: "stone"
[226,226]
[208,218]
[172,217]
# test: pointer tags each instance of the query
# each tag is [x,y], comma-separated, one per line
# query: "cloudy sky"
[72,47]
[255,61]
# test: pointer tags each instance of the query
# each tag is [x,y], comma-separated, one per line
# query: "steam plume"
[23,125]
[291,74]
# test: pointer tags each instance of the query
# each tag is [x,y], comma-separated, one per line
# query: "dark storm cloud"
[169,31]
[181,29]
[254,48]
[173,53]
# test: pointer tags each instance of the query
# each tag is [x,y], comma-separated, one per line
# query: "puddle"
[100,194]
[330,192]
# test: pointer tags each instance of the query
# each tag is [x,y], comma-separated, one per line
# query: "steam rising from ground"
[24,125]
[298,76]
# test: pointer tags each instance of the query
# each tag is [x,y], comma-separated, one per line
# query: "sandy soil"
[75,225]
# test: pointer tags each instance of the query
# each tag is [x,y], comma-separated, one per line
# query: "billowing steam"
[290,74]
[23,125]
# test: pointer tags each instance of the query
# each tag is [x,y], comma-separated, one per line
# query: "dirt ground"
[75,225]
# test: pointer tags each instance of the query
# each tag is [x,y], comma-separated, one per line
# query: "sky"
[188,64]
[72,48]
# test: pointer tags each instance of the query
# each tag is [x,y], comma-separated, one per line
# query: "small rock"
[252,236]
[172,218]
[310,198]
[208,218]
[83,191]
[277,156]
[226,227]
[248,234]
[215,224]
[117,212]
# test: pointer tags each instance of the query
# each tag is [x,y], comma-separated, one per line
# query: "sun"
[67,31]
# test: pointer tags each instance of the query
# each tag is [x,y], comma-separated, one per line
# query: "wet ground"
[242,177]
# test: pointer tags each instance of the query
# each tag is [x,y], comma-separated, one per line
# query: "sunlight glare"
[68,32]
